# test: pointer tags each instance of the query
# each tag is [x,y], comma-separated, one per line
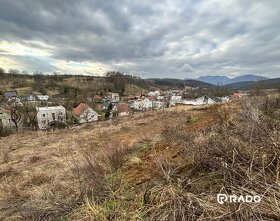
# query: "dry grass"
[238,153]
[37,176]
[166,165]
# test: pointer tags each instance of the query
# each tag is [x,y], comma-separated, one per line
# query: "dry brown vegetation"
[154,166]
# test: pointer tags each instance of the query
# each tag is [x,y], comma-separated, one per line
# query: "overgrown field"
[162,165]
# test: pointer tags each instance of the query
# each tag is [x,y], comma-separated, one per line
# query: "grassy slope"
[33,162]
[166,165]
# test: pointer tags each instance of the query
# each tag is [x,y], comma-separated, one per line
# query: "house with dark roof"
[84,114]
[120,110]
[10,94]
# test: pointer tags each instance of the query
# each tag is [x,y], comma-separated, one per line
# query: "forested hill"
[64,84]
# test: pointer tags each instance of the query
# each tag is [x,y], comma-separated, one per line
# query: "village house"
[114,96]
[30,98]
[47,116]
[224,99]
[174,99]
[160,98]
[5,119]
[107,103]
[120,110]
[137,105]
[199,101]
[154,93]
[188,88]
[238,94]
[84,114]
[43,97]
[148,103]
[176,92]
[158,105]
[204,100]
[97,98]
[10,95]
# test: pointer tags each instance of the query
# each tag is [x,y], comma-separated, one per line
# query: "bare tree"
[16,116]
[30,114]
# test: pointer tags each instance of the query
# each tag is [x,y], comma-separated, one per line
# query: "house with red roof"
[84,114]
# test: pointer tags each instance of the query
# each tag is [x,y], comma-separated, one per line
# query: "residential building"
[46,116]
[10,94]
[137,105]
[204,100]
[199,101]
[5,119]
[43,97]
[174,99]
[84,114]
[158,105]
[120,110]
[148,103]
[30,98]
[114,96]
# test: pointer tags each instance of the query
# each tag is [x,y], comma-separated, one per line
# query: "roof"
[122,108]
[151,98]
[80,109]
[5,110]
[176,97]
[97,97]
[10,94]
[51,108]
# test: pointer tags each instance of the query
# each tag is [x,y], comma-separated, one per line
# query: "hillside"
[172,82]
[67,84]
[160,165]
[223,80]
[250,85]
[70,85]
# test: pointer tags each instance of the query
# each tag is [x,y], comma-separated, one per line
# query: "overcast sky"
[167,38]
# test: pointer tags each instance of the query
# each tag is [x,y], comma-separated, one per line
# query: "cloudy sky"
[167,38]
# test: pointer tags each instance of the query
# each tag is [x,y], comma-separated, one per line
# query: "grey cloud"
[179,38]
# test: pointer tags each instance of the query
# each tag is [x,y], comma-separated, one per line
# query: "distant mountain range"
[223,80]
[251,85]
[173,82]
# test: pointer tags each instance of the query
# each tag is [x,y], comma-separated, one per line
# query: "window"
[53,116]
[43,115]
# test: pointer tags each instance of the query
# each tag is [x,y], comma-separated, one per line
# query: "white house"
[158,105]
[198,101]
[84,114]
[5,119]
[204,100]
[154,93]
[43,97]
[174,99]
[147,103]
[160,97]
[30,98]
[137,105]
[48,115]
[225,99]
[114,96]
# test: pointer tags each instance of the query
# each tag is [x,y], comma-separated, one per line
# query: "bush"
[238,154]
